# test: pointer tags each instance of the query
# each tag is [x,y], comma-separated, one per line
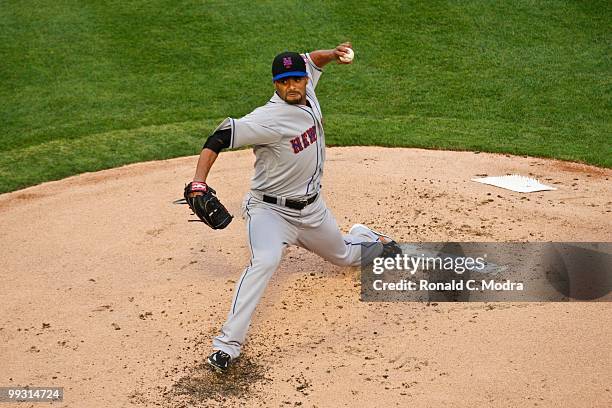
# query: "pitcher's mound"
[110,293]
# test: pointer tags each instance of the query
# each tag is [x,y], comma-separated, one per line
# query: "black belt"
[295,204]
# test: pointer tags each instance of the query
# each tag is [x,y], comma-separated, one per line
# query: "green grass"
[87,85]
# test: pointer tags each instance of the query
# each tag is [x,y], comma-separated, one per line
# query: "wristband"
[198,186]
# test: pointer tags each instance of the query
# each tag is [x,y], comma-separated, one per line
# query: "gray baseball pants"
[270,228]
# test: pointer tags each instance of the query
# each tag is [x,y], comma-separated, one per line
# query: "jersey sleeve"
[247,131]
[314,72]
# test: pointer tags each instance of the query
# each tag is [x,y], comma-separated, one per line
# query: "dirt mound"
[110,293]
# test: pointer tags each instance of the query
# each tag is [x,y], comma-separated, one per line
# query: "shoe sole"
[216,367]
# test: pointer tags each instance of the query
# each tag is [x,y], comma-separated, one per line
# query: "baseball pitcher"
[284,205]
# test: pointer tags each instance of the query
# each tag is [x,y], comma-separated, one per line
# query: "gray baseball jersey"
[288,140]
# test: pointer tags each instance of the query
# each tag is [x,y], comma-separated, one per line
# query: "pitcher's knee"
[267,261]
[345,257]
[345,261]
[366,253]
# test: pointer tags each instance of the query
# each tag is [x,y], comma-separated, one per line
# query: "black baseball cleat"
[391,249]
[219,361]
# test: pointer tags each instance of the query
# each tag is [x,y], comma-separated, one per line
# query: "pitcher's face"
[292,89]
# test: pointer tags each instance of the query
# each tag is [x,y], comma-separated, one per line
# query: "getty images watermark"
[458,264]
[491,272]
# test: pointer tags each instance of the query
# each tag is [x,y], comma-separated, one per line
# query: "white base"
[514,182]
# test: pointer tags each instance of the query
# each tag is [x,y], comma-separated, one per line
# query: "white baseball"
[348,57]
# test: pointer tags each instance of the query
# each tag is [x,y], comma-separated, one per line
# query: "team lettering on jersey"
[304,140]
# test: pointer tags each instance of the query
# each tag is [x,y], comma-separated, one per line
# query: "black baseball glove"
[207,206]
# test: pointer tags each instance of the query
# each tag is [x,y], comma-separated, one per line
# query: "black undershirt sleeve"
[218,141]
